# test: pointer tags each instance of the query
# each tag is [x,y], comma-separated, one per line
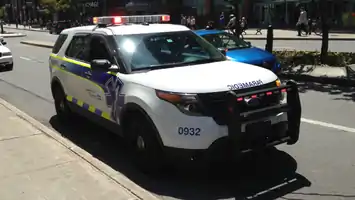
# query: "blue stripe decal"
[108,82]
[75,100]
[98,112]
[86,106]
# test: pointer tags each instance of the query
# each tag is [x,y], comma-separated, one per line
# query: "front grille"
[216,105]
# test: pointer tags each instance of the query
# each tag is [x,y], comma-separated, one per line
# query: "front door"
[101,92]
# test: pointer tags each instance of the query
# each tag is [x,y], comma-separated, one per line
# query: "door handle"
[88,74]
[62,66]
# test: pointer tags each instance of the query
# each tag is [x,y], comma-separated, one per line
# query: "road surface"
[304,45]
[321,166]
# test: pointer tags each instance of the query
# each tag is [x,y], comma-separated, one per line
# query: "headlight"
[283,94]
[6,54]
[186,103]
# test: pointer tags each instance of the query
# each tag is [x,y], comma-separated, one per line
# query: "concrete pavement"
[319,167]
[11,35]
[292,35]
[34,165]
[13,26]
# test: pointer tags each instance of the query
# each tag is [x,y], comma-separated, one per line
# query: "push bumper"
[258,133]
[262,131]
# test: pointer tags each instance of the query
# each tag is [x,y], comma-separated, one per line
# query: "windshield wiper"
[160,66]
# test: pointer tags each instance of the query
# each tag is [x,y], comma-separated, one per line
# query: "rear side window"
[59,43]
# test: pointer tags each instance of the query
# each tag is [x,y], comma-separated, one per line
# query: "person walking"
[302,22]
[193,22]
[188,21]
[183,20]
[222,22]
[232,24]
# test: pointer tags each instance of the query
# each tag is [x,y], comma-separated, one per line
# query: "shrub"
[296,58]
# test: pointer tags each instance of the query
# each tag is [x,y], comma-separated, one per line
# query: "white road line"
[24,58]
[328,125]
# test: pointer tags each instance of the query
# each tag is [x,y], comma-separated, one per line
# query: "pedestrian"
[232,24]
[302,22]
[193,23]
[183,20]
[188,21]
[310,26]
[222,22]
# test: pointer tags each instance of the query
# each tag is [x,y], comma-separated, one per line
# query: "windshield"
[226,40]
[164,50]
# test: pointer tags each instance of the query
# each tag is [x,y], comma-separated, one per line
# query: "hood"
[204,78]
[252,55]
[4,49]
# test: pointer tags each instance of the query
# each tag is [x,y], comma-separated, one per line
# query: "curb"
[106,170]
[38,44]
[323,80]
[6,27]
[13,35]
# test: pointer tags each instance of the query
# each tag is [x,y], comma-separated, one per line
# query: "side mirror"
[100,64]
[223,51]
[3,42]
[249,43]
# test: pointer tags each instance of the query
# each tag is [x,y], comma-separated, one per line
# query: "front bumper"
[241,139]
[6,63]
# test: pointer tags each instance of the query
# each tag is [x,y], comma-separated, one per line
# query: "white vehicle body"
[108,95]
[6,60]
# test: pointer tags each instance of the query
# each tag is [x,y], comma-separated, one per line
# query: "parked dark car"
[58,26]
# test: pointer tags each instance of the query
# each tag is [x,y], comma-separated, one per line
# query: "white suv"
[168,91]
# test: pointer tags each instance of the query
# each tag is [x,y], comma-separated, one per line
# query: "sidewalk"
[21,27]
[279,34]
[292,35]
[34,165]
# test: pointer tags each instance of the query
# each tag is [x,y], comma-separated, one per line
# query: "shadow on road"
[339,92]
[255,176]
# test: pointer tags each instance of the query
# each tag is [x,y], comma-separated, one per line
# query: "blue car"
[240,50]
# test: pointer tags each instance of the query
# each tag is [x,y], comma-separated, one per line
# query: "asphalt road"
[321,166]
[305,45]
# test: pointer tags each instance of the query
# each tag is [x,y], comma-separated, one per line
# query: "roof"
[206,32]
[130,29]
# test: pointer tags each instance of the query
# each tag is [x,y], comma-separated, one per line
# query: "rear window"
[59,43]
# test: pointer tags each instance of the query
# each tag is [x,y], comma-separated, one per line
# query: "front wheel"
[141,135]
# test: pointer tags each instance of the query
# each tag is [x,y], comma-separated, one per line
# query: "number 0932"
[189,131]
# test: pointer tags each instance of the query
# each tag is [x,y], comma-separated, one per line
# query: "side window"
[76,47]
[98,49]
[59,43]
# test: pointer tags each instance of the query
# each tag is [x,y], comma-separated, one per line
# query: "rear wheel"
[141,135]
[61,105]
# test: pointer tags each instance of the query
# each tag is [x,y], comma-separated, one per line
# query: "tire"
[141,136]
[62,109]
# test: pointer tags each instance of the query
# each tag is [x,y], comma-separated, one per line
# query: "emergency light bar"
[134,19]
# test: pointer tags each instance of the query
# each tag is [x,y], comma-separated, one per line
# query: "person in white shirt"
[302,22]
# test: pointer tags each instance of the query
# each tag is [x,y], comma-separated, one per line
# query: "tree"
[52,6]
[325,31]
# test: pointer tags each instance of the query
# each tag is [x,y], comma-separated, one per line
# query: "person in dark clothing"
[232,24]
[210,25]
[222,22]
[310,26]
